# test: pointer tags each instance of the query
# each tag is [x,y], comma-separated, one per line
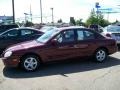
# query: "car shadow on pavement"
[119,48]
[61,68]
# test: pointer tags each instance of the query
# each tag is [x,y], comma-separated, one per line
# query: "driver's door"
[64,48]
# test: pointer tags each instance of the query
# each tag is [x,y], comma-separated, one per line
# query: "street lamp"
[26,17]
[41,11]
[13,9]
[52,15]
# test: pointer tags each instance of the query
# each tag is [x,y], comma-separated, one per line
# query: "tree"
[79,22]
[92,18]
[59,21]
[28,24]
[96,19]
[72,21]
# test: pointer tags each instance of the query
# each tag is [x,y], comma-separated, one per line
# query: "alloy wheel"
[101,55]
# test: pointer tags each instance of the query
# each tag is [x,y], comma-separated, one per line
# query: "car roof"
[25,28]
[21,29]
[72,27]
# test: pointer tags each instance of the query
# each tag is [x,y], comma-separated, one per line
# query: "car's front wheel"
[100,55]
[30,63]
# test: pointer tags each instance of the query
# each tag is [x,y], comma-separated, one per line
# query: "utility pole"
[13,9]
[41,11]
[52,15]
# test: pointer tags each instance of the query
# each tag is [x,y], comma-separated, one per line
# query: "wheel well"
[31,54]
[104,49]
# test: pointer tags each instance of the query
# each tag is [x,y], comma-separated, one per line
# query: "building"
[6,19]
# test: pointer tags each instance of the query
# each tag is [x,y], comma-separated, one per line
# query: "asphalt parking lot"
[80,75]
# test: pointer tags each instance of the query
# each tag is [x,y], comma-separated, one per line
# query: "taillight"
[108,35]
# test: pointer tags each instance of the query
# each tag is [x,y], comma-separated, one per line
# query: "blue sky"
[62,8]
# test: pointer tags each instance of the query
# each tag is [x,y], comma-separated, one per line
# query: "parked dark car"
[59,44]
[17,35]
[6,27]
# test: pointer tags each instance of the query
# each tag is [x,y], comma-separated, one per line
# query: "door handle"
[76,46]
[66,47]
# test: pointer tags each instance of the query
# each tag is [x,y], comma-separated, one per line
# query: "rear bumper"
[113,50]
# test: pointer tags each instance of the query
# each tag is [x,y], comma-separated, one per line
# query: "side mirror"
[54,42]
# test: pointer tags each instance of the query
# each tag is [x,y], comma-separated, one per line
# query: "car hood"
[24,45]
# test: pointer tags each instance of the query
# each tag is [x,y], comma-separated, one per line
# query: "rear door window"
[26,32]
[85,35]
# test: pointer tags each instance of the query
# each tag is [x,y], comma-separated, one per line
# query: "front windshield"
[113,28]
[48,35]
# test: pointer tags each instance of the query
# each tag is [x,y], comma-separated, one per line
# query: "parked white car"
[112,31]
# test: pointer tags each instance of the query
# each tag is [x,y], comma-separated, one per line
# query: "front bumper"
[10,62]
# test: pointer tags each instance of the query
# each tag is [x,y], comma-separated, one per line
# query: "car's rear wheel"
[100,55]
[30,63]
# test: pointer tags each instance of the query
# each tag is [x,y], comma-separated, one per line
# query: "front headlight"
[8,54]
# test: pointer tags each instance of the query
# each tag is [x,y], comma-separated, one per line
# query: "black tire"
[30,63]
[100,55]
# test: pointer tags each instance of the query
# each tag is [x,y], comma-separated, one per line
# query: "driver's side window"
[66,36]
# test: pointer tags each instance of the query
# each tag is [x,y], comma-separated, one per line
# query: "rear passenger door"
[86,42]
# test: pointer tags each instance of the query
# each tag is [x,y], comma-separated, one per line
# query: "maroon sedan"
[59,44]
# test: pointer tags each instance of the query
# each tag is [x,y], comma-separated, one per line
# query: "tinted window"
[66,36]
[26,32]
[11,33]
